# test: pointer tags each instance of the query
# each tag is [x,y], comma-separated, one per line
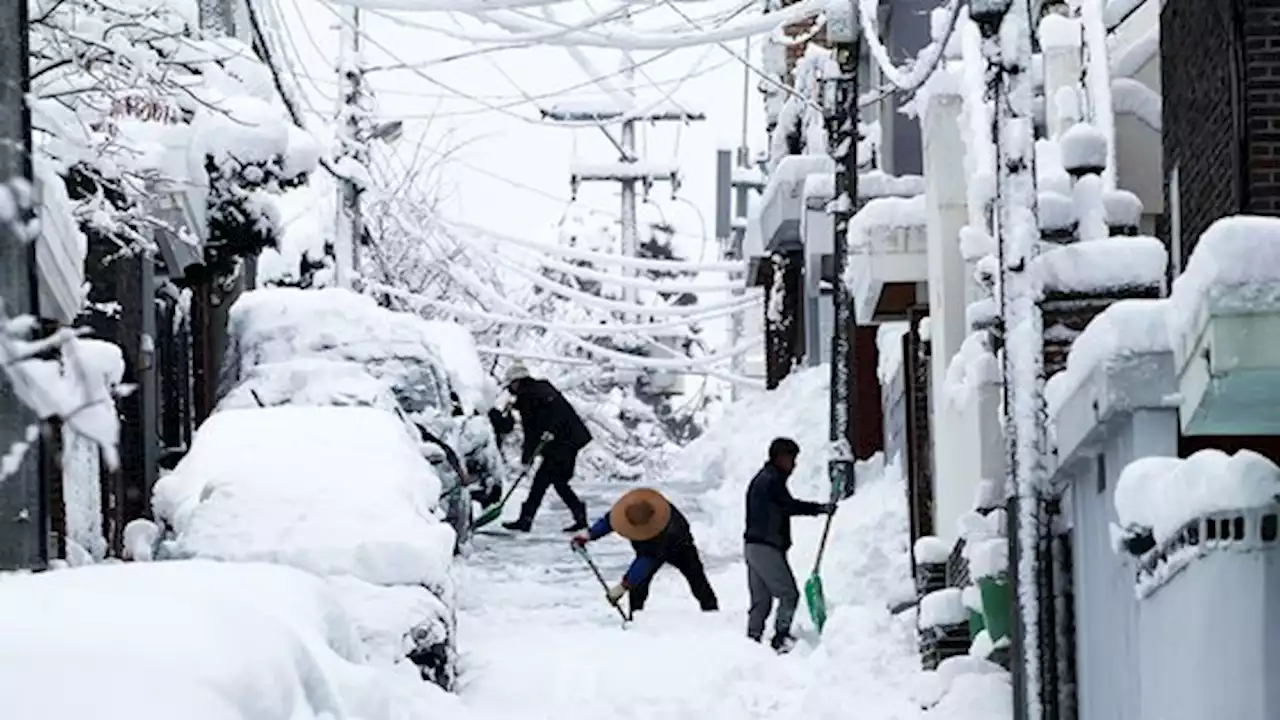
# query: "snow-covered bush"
[129,100]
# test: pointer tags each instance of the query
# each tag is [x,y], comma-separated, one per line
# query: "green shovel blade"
[488,515]
[816,600]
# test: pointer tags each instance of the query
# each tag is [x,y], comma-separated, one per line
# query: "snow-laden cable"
[640,283]
[914,78]
[730,266]
[621,358]
[524,29]
[764,76]
[598,302]
[659,329]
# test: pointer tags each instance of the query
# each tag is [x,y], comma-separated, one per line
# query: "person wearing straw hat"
[767,539]
[543,410]
[660,535]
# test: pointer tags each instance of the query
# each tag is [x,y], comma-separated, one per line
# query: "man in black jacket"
[770,508]
[660,535]
[544,410]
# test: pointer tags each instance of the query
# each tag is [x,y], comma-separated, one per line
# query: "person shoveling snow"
[770,508]
[659,534]
[543,410]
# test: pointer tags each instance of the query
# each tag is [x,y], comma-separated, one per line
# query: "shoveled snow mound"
[867,659]
[333,490]
[192,639]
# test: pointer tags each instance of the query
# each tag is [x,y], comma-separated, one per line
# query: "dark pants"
[685,559]
[769,577]
[555,472]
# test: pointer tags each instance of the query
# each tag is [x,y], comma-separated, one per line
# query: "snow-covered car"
[342,492]
[194,639]
[318,382]
[431,367]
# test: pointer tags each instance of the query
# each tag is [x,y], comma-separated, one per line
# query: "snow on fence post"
[1005,26]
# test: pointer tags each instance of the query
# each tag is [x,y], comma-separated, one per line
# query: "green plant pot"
[996,606]
[976,624]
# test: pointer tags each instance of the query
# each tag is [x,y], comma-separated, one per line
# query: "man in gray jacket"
[770,508]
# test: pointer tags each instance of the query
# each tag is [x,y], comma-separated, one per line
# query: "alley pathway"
[539,641]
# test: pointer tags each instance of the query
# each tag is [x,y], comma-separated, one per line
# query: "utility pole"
[349,228]
[23,540]
[1005,26]
[629,230]
[842,130]
[630,171]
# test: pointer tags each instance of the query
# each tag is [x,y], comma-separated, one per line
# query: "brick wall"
[1261,51]
[1221,68]
[1200,133]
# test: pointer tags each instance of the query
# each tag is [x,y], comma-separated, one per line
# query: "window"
[1101,472]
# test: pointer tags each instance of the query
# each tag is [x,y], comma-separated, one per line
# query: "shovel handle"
[582,552]
[826,528]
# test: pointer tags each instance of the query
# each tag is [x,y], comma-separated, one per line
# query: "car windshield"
[416,385]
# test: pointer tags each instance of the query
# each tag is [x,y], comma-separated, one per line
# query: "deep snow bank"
[867,659]
[867,560]
[192,639]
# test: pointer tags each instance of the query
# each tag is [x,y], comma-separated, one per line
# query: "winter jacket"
[649,553]
[770,508]
[543,409]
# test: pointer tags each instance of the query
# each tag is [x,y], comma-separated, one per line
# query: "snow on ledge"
[1103,264]
[1160,495]
[931,550]
[1124,330]
[1235,268]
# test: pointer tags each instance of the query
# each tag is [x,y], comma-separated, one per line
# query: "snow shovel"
[813,594]
[493,512]
[582,552]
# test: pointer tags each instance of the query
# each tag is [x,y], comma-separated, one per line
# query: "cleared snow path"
[539,640]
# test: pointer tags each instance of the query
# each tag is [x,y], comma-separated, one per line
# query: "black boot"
[579,519]
[782,643]
[520,524]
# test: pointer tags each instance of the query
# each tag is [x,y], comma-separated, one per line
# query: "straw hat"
[640,515]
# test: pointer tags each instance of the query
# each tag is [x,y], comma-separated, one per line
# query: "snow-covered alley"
[538,639]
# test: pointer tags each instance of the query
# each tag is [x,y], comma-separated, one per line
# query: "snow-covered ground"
[539,641]
[248,641]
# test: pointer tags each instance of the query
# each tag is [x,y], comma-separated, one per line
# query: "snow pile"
[730,453]
[1235,268]
[1083,148]
[1125,330]
[942,607]
[1103,265]
[337,491]
[931,550]
[213,641]
[1160,495]
[885,214]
